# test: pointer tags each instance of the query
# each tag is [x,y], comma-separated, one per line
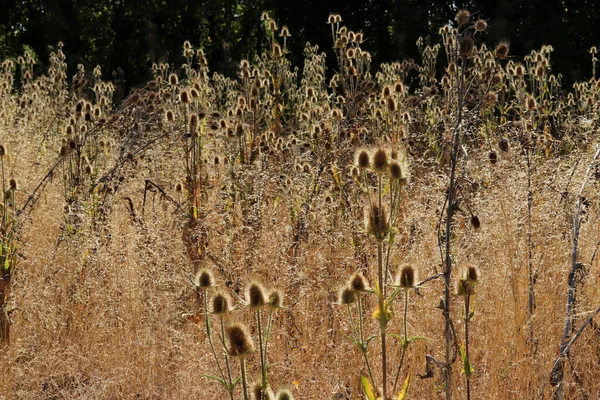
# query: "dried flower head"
[259,394]
[462,17]
[240,341]
[501,50]
[363,159]
[255,295]
[376,221]
[346,296]
[358,282]
[480,25]
[221,303]
[3,151]
[276,298]
[406,278]
[204,279]
[284,395]
[13,184]
[380,160]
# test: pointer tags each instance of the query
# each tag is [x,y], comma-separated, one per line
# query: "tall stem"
[244,385]
[362,340]
[209,335]
[467,373]
[382,308]
[404,344]
[263,368]
[230,382]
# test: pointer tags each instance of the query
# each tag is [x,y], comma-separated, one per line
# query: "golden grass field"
[115,209]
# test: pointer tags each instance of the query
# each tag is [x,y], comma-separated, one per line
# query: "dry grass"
[101,302]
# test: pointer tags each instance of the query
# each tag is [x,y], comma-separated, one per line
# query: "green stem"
[467,373]
[226,358]
[404,344]
[362,341]
[243,368]
[263,367]
[382,311]
[209,335]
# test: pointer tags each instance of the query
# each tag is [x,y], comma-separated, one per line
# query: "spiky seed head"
[376,221]
[503,144]
[466,46]
[3,151]
[13,184]
[184,97]
[462,17]
[72,144]
[259,394]
[395,170]
[380,160]
[276,298]
[465,288]
[493,157]
[284,395]
[358,282]
[475,222]
[170,116]
[240,341]
[406,279]
[391,104]
[204,279]
[386,91]
[64,151]
[363,159]
[221,303]
[501,50]
[173,79]
[346,295]
[472,274]
[255,295]
[480,25]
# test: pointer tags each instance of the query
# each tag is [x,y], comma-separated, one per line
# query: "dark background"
[125,37]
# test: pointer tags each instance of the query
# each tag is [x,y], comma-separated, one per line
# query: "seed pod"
[406,278]
[358,282]
[346,296]
[204,279]
[255,295]
[240,341]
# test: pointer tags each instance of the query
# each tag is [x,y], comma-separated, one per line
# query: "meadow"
[296,232]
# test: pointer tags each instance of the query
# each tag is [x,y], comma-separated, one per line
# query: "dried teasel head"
[407,277]
[259,394]
[255,295]
[276,299]
[240,341]
[376,221]
[346,296]
[358,282]
[204,279]
[379,160]
[284,395]
[362,158]
[221,303]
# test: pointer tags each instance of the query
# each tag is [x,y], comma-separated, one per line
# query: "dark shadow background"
[125,37]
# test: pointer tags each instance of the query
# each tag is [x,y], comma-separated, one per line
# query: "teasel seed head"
[173,79]
[13,184]
[284,395]
[170,116]
[493,157]
[395,170]
[221,303]
[462,17]
[259,394]
[358,282]
[466,47]
[472,274]
[475,222]
[480,25]
[255,295]
[3,151]
[501,50]
[240,341]
[406,278]
[465,288]
[346,296]
[376,221]
[204,279]
[276,298]
[363,158]
[380,160]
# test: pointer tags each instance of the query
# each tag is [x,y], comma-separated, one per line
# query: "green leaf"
[404,391]
[467,368]
[216,378]
[471,315]
[367,387]
[356,342]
